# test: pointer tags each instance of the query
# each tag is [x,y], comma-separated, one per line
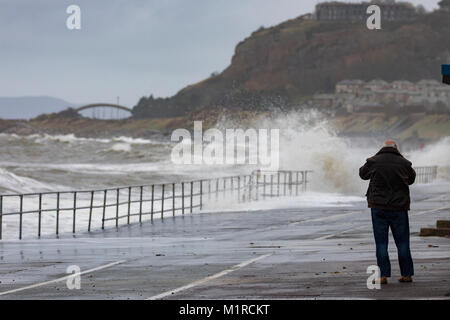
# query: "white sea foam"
[121,147]
[307,142]
[14,183]
[435,154]
[71,138]
[303,200]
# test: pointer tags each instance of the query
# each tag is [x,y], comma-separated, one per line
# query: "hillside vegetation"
[280,66]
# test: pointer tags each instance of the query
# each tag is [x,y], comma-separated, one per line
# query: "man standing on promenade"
[390,175]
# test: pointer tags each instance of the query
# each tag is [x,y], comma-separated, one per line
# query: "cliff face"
[280,65]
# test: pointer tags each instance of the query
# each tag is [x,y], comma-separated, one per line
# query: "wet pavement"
[291,253]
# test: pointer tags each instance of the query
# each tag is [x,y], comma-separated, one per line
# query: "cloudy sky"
[127,48]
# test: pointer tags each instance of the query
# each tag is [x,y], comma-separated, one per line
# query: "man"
[390,175]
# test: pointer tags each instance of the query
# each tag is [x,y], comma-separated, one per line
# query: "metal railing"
[69,211]
[426,174]
[86,210]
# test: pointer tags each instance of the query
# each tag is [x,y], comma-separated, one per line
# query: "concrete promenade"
[293,253]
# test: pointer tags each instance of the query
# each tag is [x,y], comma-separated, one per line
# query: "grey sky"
[127,48]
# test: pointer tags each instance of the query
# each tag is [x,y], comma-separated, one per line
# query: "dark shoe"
[382,280]
[405,279]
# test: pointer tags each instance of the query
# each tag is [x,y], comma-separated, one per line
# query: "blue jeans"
[399,223]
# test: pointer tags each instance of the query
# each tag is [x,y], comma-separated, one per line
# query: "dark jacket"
[390,176]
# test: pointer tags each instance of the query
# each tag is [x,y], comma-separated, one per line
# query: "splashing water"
[307,142]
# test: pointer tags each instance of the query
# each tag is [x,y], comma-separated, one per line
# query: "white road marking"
[442,197]
[331,217]
[225,272]
[62,279]
[430,211]
[337,233]
[215,276]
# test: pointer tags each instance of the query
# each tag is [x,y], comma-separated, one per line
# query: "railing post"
[20,217]
[250,180]
[1,216]
[104,208]
[278,186]
[140,203]
[217,189]
[74,211]
[90,211]
[284,183]
[173,199]
[209,189]
[232,187]
[271,185]
[239,188]
[162,203]
[153,201]
[201,194]
[40,215]
[182,198]
[296,183]
[117,207]
[129,205]
[192,194]
[224,187]
[246,186]
[304,180]
[258,176]
[290,183]
[57,213]
[264,189]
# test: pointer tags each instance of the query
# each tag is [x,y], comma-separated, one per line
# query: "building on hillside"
[404,85]
[376,84]
[444,5]
[359,96]
[443,93]
[390,10]
[349,86]
[427,85]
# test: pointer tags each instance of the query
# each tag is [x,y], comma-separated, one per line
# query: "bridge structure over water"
[104,111]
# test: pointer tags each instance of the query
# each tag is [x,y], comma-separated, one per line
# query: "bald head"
[390,143]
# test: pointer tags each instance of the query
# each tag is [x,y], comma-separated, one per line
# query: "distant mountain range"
[31,106]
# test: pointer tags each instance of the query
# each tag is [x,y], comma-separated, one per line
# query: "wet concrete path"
[294,253]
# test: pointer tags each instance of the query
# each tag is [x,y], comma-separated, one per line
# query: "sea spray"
[308,142]
[434,154]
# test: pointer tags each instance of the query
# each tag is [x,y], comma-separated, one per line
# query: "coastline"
[413,129]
